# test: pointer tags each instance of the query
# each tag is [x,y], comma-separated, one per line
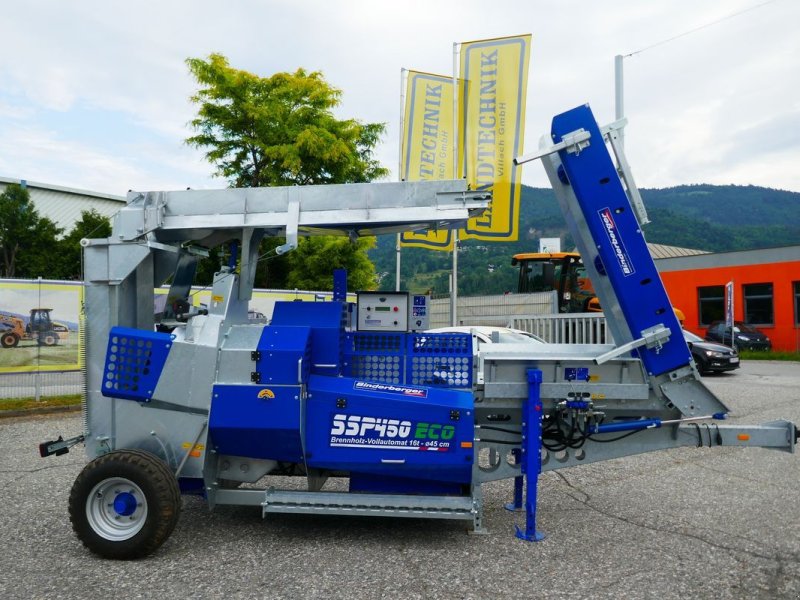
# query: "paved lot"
[686,523]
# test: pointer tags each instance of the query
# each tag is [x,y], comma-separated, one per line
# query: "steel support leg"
[531,453]
[516,505]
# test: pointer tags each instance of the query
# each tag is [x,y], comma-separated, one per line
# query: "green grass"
[773,355]
[29,354]
[30,403]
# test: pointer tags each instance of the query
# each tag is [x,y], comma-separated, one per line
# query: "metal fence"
[582,328]
[40,384]
[499,310]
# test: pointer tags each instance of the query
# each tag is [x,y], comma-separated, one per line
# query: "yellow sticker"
[266,393]
[594,377]
[598,396]
[196,451]
[216,298]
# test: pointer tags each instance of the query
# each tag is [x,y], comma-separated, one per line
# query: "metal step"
[342,503]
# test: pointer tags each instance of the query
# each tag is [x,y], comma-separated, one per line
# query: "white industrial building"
[64,205]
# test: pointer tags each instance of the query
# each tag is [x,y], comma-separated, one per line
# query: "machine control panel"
[419,316]
[382,311]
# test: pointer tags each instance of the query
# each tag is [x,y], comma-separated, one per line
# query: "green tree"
[313,262]
[91,225]
[281,130]
[28,245]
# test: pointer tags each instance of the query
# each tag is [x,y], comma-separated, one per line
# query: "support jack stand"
[531,457]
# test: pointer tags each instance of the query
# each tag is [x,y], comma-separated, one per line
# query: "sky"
[95,94]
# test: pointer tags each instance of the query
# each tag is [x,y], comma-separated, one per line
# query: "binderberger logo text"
[620,253]
[392,389]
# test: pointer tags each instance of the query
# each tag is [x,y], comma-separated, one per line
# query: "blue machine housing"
[390,430]
[325,320]
[257,421]
[283,355]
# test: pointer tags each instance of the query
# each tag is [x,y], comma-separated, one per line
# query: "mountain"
[716,218]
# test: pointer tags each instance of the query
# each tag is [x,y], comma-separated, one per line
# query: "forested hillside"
[704,217]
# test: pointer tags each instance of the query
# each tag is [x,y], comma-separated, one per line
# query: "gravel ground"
[684,523]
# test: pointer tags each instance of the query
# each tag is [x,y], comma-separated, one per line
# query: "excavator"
[40,328]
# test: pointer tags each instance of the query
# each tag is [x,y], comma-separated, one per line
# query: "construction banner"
[427,144]
[491,116]
[39,325]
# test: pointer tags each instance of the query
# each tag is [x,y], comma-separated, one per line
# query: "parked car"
[744,336]
[711,357]
[487,334]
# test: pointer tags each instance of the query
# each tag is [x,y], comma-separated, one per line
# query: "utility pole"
[619,101]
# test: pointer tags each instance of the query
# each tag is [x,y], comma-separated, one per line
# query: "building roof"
[735,258]
[64,205]
[658,251]
[60,188]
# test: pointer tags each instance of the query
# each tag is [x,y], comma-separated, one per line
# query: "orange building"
[766,290]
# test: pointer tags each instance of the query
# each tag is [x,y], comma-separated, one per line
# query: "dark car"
[709,356]
[744,336]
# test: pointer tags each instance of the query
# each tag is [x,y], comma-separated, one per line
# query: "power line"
[685,33]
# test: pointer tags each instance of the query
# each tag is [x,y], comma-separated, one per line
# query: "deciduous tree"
[27,241]
[278,130]
[91,225]
[281,130]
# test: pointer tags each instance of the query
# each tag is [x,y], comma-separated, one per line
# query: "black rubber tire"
[701,367]
[161,493]
[49,338]
[9,340]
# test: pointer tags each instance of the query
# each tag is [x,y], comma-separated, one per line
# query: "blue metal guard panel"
[375,356]
[284,355]
[327,321]
[441,359]
[134,361]
[431,359]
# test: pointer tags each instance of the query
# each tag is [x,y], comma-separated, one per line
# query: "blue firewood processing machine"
[207,402]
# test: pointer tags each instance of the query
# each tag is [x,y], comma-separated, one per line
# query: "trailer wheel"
[124,504]
[9,340]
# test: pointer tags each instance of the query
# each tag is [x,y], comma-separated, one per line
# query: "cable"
[699,435]
[685,33]
[493,428]
[621,437]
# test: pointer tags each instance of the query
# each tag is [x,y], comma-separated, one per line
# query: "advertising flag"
[427,144]
[729,304]
[491,116]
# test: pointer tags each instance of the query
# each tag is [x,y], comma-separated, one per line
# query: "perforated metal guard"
[439,359]
[134,361]
[375,356]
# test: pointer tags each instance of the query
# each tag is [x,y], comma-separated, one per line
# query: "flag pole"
[454,232]
[397,250]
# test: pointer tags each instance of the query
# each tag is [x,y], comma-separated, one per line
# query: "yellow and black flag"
[491,117]
[427,144]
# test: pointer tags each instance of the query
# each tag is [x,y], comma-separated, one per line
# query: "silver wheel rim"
[116,509]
